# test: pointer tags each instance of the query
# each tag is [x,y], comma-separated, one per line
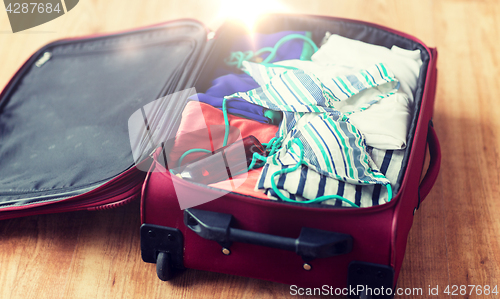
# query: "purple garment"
[228,83]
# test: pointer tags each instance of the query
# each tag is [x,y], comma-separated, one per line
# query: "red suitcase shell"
[370,243]
[379,233]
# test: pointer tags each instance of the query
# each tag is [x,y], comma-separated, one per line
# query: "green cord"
[224,142]
[237,58]
[307,50]
[194,150]
[274,143]
[285,39]
[389,192]
[256,157]
[226,122]
[302,162]
[318,199]
[261,51]
[272,146]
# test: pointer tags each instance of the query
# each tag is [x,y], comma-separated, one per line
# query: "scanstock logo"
[28,14]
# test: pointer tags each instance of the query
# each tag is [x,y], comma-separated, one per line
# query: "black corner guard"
[156,239]
[370,280]
[311,243]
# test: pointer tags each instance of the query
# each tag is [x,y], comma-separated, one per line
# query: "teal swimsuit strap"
[318,199]
[285,39]
[224,143]
[237,58]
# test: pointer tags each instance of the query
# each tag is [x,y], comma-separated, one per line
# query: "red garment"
[245,183]
[202,126]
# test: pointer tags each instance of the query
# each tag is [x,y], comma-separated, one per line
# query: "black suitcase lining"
[63,126]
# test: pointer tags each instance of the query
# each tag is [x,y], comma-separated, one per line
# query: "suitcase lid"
[63,116]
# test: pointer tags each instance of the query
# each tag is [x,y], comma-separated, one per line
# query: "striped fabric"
[333,148]
[297,91]
[337,84]
[304,184]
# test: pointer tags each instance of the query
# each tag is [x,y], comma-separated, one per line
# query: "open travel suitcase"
[65,147]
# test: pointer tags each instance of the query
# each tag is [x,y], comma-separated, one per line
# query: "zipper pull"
[45,57]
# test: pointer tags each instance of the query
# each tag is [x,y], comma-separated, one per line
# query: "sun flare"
[249,11]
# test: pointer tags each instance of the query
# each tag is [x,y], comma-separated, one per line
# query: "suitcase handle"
[312,243]
[434,164]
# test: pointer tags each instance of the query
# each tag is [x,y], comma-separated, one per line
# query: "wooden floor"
[455,236]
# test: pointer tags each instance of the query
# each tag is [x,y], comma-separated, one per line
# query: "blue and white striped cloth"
[332,146]
[304,183]
[337,83]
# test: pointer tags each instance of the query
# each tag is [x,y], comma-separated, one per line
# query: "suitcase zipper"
[98,199]
[45,57]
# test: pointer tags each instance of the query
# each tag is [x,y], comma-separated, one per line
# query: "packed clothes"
[343,125]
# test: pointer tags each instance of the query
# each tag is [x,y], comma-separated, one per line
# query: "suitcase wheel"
[164,268]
